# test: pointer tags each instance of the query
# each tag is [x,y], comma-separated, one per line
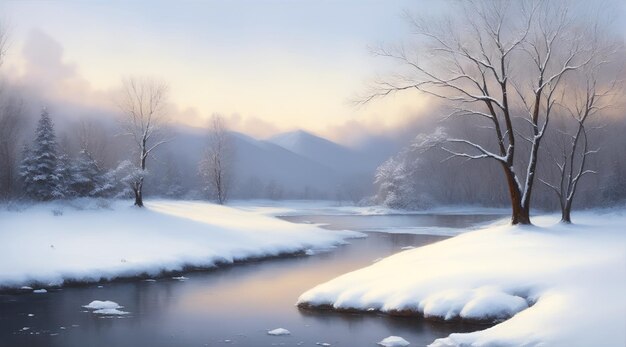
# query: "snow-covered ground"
[48,244]
[563,285]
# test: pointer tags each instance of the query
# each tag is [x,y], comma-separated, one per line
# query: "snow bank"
[572,277]
[121,241]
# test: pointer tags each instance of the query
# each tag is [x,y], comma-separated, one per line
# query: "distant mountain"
[340,158]
[263,169]
[266,161]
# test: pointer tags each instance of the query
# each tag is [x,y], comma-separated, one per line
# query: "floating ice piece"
[26,288]
[180,278]
[279,332]
[40,291]
[99,305]
[110,312]
[394,341]
[326,344]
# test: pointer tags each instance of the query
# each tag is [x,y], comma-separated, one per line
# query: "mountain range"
[295,164]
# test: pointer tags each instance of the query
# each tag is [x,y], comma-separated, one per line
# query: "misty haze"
[313,173]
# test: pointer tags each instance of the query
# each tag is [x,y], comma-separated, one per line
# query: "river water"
[234,305]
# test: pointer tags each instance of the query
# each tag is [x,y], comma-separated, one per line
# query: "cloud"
[43,78]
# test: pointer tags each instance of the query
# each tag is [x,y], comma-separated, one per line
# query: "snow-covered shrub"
[399,183]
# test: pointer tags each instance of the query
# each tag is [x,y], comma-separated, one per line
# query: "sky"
[268,66]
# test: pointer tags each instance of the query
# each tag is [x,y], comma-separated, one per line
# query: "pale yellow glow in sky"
[281,72]
[269,66]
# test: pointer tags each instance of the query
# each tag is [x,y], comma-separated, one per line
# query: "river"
[234,305]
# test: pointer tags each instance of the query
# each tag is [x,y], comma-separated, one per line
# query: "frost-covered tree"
[143,105]
[86,176]
[497,63]
[399,183]
[65,174]
[39,169]
[216,166]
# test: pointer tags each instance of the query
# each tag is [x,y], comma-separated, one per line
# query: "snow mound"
[487,304]
[279,332]
[549,285]
[394,341]
[181,233]
[100,305]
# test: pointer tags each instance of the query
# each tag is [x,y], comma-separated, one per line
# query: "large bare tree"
[216,166]
[501,63]
[143,104]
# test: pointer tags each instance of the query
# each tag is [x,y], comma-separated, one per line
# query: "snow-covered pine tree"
[40,165]
[87,178]
[65,174]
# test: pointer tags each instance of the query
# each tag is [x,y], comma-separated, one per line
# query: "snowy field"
[47,244]
[562,285]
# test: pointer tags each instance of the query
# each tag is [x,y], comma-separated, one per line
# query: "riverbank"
[562,285]
[84,241]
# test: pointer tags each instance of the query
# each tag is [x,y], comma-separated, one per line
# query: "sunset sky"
[269,66]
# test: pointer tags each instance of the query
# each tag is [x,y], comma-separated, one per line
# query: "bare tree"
[572,163]
[11,123]
[143,105]
[216,166]
[502,64]
[11,126]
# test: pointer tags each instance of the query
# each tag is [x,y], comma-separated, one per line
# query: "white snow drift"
[93,244]
[573,278]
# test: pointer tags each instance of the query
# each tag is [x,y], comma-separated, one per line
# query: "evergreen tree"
[65,174]
[39,168]
[87,178]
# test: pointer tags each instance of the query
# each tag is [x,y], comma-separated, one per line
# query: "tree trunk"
[519,214]
[566,212]
[137,189]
